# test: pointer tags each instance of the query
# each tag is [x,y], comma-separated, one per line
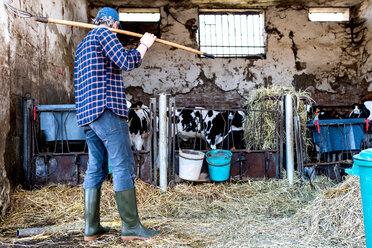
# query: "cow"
[139,123]
[212,126]
[235,137]
[359,111]
[189,123]
[363,110]
[224,127]
[319,113]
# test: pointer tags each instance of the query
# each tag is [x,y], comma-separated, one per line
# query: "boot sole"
[92,237]
[129,238]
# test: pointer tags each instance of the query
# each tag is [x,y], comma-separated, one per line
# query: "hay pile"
[261,131]
[252,214]
[336,215]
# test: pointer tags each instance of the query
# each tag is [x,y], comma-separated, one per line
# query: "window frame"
[138,26]
[346,11]
[140,10]
[248,12]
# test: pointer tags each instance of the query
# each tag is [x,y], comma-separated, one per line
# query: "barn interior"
[331,60]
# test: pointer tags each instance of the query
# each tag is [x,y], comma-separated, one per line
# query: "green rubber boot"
[93,228]
[131,225]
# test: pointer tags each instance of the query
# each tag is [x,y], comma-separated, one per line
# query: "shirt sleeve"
[114,51]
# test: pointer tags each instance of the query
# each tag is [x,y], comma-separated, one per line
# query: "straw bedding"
[251,214]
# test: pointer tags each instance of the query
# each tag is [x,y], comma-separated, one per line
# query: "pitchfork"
[25,14]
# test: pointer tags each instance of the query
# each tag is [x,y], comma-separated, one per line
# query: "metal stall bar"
[154,151]
[27,139]
[163,160]
[289,138]
[281,132]
[171,144]
[297,130]
[65,131]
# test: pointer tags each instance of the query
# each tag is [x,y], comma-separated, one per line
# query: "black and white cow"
[361,110]
[139,123]
[224,127]
[212,126]
[189,123]
[235,137]
[318,113]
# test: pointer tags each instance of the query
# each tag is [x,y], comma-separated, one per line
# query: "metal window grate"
[232,34]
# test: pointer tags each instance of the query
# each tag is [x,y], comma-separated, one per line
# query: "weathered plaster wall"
[330,59]
[4,111]
[366,50]
[37,62]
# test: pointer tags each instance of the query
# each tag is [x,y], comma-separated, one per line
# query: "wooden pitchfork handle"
[92,26]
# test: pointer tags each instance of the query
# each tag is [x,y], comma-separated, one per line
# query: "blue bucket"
[219,163]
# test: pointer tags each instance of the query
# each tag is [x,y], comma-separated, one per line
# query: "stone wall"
[37,62]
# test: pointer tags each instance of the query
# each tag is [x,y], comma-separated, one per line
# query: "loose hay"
[266,213]
[336,215]
[261,131]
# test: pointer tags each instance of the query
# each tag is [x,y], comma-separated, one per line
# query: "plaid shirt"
[99,60]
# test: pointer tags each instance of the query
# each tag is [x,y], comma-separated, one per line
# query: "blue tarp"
[346,135]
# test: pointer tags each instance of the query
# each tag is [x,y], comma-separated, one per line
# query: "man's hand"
[148,39]
[145,43]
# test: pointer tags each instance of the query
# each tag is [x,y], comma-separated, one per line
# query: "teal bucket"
[362,167]
[219,163]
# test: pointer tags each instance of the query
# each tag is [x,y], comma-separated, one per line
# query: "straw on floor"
[266,213]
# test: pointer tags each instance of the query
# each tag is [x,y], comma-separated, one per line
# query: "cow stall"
[336,140]
[55,150]
[196,128]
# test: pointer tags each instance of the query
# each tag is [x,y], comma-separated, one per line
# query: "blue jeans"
[108,138]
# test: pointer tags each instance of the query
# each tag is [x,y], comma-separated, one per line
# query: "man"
[101,108]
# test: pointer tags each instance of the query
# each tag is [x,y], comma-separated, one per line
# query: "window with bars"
[232,33]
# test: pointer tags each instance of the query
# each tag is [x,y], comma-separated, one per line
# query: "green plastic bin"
[362,167]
